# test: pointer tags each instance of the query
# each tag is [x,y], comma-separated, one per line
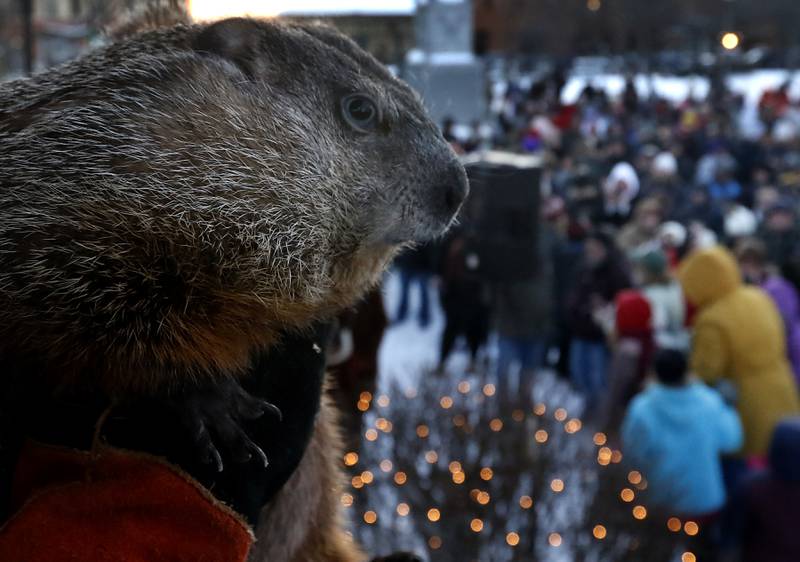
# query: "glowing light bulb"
[599,532]
[729,40]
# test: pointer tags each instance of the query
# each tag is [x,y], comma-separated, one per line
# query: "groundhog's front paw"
[398,557]
[212,415]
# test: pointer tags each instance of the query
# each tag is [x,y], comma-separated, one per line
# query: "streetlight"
[730,40]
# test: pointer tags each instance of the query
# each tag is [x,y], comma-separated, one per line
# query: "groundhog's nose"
[451,193]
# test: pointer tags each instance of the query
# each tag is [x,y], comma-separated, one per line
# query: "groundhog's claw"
[214,414]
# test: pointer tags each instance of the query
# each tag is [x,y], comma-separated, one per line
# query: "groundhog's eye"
[361,112]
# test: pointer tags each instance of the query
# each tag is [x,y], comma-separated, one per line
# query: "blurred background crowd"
[666,290]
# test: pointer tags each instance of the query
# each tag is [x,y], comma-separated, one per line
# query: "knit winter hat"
[653,261]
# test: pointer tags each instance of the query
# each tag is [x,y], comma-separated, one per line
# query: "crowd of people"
[667,292]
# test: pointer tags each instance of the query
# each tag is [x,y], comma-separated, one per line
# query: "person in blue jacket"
[674,433]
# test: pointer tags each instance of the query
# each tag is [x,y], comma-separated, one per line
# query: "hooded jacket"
[675,436]
[739,336]
[785,297]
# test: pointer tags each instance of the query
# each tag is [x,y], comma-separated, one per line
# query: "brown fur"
[306,513]
[166,212]
[174,200]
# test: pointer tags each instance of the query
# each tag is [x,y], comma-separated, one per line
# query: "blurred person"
[751,254]
[568,240]
[465,301]
[664,293]
[699,207]
[601,276]
[619,191]
[664,181]
[767,506]
[584,197]
[773,104]
[643,227]
[353,361]
[522,313]
[416,267]
[674,433]
[673,237]
[632,346]
[766,197]
[781,234]
[717,166]
[739,337]
[701,237]
[725,187]
[740,222]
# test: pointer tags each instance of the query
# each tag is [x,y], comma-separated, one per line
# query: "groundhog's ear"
[235,39]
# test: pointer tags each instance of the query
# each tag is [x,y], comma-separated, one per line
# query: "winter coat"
[769,504]
[738,335]
[669,315]
[785,297]
[594,286]
[524,309]
[675,436]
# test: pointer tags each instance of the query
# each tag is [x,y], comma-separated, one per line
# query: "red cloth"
[634,320]
[115,506]
[634,316]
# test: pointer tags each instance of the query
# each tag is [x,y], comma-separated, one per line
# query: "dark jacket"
[770,501]
[594,286]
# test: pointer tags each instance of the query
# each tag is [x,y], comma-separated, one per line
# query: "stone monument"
[443,67]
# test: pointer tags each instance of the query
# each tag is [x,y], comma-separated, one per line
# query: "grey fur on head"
[171,200]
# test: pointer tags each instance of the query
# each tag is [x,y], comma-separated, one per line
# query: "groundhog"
[174,200]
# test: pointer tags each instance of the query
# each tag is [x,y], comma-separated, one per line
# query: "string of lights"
[482,498]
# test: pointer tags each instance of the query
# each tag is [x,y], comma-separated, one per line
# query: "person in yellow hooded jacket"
[739,336]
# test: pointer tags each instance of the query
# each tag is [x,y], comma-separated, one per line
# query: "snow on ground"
[750,84]
[409,352]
